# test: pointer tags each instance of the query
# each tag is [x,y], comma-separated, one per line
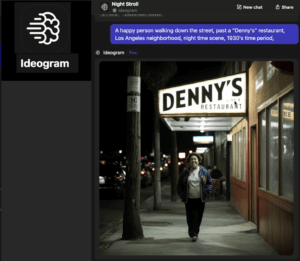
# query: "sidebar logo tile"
[43,27]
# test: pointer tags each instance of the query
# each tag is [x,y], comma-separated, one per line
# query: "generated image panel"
[196,158]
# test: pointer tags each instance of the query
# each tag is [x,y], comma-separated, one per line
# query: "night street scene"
[196,158]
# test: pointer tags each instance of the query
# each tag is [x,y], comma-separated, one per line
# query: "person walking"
[209,169]
[216,174]
[194,184]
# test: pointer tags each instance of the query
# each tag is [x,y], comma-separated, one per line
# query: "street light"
[181,155]
[120,151]
[201,150]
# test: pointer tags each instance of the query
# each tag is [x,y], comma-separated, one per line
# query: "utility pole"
[157,158]
[174,166]
[132,228]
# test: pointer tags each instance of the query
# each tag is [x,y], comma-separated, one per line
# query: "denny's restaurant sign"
[222,95]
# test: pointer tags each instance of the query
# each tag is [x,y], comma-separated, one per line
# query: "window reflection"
[271,152]
[262,155]
[287,145]
[273,148]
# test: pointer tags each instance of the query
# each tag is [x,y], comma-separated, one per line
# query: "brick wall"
[278,82]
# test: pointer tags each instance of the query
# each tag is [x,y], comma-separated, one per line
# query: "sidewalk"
[223,232]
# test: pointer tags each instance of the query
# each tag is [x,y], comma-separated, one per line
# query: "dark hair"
[187,160]
[208,167]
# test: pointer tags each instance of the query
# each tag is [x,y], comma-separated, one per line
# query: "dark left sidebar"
[46,126]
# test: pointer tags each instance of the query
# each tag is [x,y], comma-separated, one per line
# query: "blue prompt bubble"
[204,34]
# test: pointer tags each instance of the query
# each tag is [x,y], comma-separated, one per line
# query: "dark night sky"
[113,105]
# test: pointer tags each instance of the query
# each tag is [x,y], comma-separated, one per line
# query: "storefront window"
[240,155]
[287,145]
[280,133]
[233,155]
[270,70]
[259,79]
[237,173]
[244,66]
[273,148]
[236,66]
[244,145]
[262,154]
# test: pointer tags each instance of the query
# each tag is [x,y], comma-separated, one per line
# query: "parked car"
[112,179]
[162,173]
[146,175]
[165,171]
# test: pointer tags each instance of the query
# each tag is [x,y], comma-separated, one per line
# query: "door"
[253,175]
[228,166]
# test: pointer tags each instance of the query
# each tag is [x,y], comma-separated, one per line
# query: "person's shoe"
[194,239]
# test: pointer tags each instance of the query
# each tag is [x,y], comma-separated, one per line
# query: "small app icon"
[114,10]
[239,7]
[104,7]
[46,22]
[277,7]
[97,52]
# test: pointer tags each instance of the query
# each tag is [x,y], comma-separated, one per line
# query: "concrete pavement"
[223,232]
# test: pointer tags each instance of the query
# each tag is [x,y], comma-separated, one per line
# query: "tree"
[156,75]
[132,228]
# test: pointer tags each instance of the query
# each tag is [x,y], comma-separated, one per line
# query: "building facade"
[258,152]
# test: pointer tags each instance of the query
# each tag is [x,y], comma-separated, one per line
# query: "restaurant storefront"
[251,114]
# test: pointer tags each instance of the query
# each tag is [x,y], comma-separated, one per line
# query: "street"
[111,211]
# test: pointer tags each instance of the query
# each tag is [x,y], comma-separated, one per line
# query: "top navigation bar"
[158,8]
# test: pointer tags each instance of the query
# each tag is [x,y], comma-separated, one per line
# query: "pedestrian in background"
[193,186]
[216,174]
[209,169]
